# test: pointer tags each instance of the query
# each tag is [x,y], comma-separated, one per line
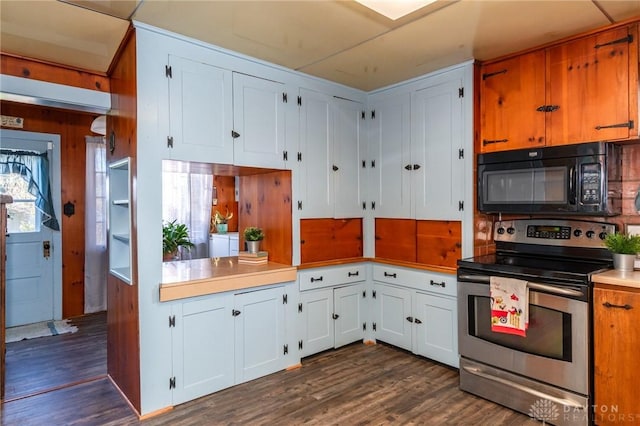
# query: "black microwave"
[580,179]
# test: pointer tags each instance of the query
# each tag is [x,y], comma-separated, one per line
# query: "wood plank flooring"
[37,365]
[354,385]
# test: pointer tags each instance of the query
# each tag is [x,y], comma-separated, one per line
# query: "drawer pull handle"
[353,274]
[316,279]
[442,284]
[386,274]
[417,321]
[611,305]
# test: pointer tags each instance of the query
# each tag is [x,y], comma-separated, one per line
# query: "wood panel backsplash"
[330,239]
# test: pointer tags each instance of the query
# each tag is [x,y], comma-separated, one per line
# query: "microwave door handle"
[572,185]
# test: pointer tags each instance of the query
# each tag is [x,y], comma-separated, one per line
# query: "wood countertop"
[619,278]
[198,277]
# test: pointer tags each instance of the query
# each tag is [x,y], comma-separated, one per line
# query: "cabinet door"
[348,312]
[258,120]
[589,82]
[616,343]
[316,321]
[436,328]
[390,155]
[202,347]
[511,91]
[259,329]
[392,308]
[436,142]
[315,169]
[348,173]
[200,112]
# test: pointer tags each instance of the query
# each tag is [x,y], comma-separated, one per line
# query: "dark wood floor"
[354,385]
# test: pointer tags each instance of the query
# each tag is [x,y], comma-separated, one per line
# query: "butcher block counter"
[618,278]
[198,277]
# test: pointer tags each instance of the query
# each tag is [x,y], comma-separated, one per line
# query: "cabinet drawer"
[332,276]
[435,282]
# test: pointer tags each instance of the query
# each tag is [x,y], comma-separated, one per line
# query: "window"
[22,215]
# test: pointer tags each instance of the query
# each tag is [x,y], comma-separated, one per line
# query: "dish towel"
[509,306]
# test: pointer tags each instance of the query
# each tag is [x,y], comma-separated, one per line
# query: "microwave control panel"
[590,183]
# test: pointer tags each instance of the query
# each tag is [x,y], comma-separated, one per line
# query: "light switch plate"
[634,230]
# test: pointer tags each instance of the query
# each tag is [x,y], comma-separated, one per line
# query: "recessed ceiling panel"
[57,32]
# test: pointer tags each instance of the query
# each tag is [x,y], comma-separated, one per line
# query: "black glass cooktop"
[531,267]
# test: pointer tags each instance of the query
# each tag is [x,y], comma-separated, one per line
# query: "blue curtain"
[34,169]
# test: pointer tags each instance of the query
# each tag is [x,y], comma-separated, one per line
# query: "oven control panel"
[559,232]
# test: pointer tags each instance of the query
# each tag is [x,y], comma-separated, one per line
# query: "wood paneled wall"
[226,186]
[72,127]
[123,334]
[266,203]
[330,239]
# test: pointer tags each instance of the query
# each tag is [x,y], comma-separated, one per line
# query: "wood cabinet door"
[259,122]
[589,83]
[348,310]
[436,328]
[202,347]
[391,310]
[617,344]
[511,91]
[259,333]
[316,321]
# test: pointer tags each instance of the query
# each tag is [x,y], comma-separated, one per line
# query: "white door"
[348,314]
[436,328]
[317,322]
[393,307]
[33,276]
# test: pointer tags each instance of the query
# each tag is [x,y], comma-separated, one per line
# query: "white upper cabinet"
[348,172]
[331,144]
[316,154]
[390,154]
[200,112]
[259,121]
[438,174]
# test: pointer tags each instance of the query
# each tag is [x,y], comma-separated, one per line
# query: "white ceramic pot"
[623,262]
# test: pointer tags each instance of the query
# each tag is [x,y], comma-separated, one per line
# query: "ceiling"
[341,41]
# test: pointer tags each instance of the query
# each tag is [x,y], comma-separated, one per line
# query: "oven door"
[556,348]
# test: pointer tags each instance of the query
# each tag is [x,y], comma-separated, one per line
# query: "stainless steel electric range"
[549,373]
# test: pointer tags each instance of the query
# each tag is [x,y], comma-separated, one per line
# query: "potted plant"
[174,236]
[220,221]
[253,235]
[624,247]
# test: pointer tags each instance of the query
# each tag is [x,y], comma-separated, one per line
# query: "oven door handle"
[566,402]
[562,291]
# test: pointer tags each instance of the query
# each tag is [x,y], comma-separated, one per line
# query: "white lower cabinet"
[331,318]
[333,307]
[417,311]
[225,339]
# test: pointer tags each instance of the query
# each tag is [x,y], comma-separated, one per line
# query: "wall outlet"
[634,230]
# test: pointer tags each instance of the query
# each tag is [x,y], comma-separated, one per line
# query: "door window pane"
[22,215]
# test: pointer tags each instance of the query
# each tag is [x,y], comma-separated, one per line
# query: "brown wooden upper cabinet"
[583,90]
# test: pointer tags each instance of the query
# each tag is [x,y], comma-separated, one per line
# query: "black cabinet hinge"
[373,294]
[172,320]
[284,98]
[167,71]
[235,312]
[364,293]
[285,349]
[285,156]
[235,134]
[364,326]
[373,114]
[285,299]
[299,100]
[363,115]
[299,307]
[299,205]
[373,205]
[373,326]
[627,39]
[172,382]
[299,345]
[460,205]
[461,92]
[169,141]
[364,164]
[373,164]
[299,156]
[460,154]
